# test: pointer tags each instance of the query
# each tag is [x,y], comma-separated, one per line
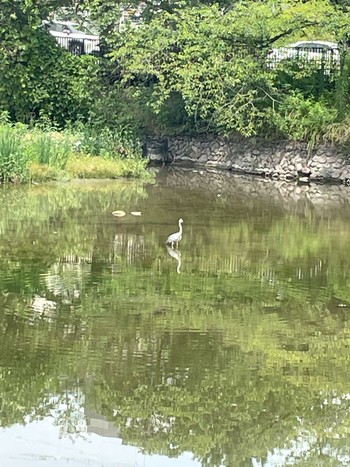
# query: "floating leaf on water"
[118,213]
[136,213]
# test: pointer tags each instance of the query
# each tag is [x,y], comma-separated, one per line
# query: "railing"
[79,46]
[324,59]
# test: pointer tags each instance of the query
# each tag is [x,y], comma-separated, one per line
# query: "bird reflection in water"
[175,254]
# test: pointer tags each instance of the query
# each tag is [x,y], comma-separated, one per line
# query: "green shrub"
[116,143]
[299,118]
[339,132]
[46,83]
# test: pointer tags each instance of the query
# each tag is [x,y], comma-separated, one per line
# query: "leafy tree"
[190,66]
[106,13]
[37,78]
[216,62]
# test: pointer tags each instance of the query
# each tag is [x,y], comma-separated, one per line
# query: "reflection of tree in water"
[68,412]
[129,246]
[43,308]
[66,279]
[226,362]
[220,431]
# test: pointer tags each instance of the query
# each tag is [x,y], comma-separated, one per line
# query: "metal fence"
[321,58]
[79,46]
[326,60]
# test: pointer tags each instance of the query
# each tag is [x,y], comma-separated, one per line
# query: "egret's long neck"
[180,228]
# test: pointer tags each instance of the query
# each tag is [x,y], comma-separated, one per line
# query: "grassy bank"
[38,155]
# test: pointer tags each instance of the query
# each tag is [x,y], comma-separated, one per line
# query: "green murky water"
[232,351]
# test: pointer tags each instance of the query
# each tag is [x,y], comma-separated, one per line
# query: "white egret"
[175,237]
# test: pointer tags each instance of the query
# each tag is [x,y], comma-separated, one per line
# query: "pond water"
[232,350]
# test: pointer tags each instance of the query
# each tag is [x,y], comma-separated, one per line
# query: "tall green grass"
[13,161]
[33,153]
[47,150]
[116,143]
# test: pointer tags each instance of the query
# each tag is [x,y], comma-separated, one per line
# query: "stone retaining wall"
[277,160]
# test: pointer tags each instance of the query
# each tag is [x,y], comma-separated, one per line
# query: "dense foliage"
[187,67]
[35,75]
[215,65]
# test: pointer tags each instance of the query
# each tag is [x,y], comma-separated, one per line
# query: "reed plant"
[46,149]
[27,153]
[110,143]
[339,133]
[13,161]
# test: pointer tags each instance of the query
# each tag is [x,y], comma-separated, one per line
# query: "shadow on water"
[231,349]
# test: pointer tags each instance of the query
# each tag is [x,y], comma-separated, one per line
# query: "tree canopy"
[188,66]
[216,62]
